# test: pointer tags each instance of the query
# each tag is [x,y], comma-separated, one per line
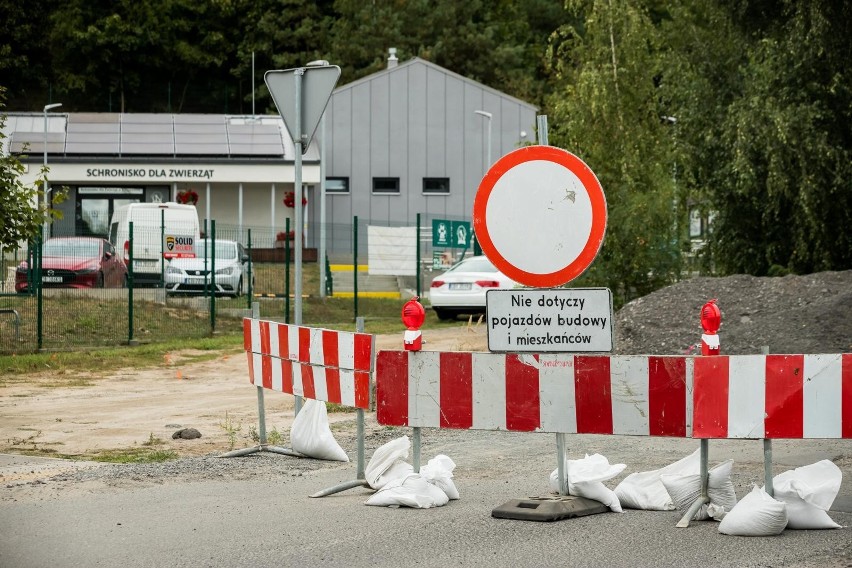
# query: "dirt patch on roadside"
[142,408]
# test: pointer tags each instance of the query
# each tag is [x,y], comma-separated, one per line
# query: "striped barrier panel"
[743,396]
[561,393]
[773,396]
[320,364]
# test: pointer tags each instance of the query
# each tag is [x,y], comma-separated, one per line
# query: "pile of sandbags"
[397,485]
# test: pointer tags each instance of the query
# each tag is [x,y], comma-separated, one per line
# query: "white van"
[161,231]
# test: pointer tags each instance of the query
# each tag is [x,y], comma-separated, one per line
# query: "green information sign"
[454,234]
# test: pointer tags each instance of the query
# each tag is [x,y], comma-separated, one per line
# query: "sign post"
[301,95]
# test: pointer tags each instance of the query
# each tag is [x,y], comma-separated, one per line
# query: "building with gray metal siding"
[403,141]
[407,140]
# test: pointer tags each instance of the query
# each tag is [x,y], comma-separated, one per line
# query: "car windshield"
[74,248]
[477,264]
[224,250]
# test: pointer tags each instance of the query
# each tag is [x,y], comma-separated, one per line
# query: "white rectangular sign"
[557,320]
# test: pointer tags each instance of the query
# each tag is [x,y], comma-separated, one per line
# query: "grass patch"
[132,455]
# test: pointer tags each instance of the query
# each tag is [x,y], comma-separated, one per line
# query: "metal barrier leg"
[560,467]
[767,467]
[263,446]
[703,498]
[361,480]
[416,461]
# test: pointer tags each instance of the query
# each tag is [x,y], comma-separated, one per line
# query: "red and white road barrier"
[631,395]
[321,364]
[748,396]
[773,396]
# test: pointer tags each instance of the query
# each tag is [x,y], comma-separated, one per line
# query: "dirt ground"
[128,408]
[132,408]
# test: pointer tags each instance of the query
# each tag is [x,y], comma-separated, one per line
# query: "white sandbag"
[585,477]
[411,491]
[388,462]
[439,472]
[809,492]
[757,514]
[311,436]
[644,490]
[685,489]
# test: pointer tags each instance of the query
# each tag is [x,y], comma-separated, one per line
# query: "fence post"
[212,247]
[355,264]
[162,250]
[287,270]
[37,257]
[329,279]
[417,271]
[249,295]
[130,284]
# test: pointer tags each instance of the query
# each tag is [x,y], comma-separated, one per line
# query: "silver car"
[192,275]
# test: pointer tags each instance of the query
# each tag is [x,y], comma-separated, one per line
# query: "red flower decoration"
[282,236]
[188,196]
[290,199]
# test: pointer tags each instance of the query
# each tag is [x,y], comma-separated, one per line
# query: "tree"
[20,218]
[608,111]
[784,194]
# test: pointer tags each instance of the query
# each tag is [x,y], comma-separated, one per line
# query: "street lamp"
[44,182]
[488,116]
[476,249]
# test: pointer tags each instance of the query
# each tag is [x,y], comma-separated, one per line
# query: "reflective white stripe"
[320,383]
[257,366]
[293,343]
[629,392]
[425,382]
[298,389]
[346,350]
[489,391]
[822,396]
[277,377]
[315,347]
[746,396]
[273,339]
[255,337]
[690,369]
[347,387]
[556,393]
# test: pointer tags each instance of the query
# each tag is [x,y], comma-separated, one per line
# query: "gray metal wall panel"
[399,152]
[360,182]
[418,110]
[380,164]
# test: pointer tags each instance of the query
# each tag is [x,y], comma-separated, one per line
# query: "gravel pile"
[790,314]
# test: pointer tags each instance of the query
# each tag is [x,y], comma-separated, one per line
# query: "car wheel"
[239,289]
[443,315]
[100,282]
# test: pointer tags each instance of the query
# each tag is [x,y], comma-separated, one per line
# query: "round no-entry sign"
[540,216]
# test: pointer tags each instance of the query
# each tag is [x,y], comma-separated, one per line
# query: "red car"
[76,262]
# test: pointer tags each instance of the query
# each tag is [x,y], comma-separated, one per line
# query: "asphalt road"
[254,516]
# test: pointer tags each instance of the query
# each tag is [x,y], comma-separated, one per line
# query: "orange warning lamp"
[711,317]
[413,316]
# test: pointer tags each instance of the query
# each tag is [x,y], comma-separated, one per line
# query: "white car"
[462,288]
[191,275]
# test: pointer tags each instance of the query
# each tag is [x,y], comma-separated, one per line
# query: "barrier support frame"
[360,476]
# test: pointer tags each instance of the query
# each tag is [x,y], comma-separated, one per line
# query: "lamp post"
[476,249]
[488,116]
[44,182]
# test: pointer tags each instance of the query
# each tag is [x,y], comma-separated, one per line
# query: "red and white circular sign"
[540,216]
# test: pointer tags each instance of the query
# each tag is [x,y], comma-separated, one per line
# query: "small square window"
[386,185]
[436,186]
[337,185]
